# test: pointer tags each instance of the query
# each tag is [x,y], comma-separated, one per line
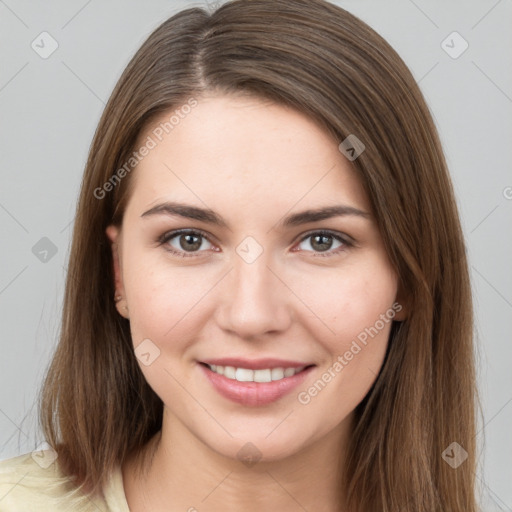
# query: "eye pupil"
[188,240]
[325,243]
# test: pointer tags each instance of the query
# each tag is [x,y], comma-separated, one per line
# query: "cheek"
[357,304]
[342,302]
[167,305]
[164,301]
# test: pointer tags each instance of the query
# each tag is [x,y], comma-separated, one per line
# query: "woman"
[267,304]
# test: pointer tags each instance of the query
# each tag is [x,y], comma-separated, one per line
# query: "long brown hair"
[96,407]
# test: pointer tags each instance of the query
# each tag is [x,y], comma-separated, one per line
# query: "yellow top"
[33,482]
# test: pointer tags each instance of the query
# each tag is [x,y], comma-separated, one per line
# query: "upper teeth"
[246,375]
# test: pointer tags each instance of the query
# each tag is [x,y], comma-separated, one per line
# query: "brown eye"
[190,242]
[183,242]
[321,242]
[324,242]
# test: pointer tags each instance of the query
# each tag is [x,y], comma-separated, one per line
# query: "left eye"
[322,242]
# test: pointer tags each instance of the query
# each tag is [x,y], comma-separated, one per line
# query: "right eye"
[183,242]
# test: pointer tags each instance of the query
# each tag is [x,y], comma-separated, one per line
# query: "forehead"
[243,151]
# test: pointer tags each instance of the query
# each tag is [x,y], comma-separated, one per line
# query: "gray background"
[49,110]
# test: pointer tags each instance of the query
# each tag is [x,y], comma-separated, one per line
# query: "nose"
[255,300]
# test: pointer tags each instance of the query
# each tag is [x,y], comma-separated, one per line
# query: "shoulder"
[34,482]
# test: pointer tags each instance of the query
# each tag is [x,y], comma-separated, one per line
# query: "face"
[251,322]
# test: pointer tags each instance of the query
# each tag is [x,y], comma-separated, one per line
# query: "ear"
[114,235]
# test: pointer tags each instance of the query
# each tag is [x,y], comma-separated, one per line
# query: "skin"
[253,162]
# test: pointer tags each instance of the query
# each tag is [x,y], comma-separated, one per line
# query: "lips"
[254,382]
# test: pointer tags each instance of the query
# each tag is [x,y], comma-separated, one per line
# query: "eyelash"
[166,237]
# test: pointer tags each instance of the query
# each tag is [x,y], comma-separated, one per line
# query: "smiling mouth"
[260,375]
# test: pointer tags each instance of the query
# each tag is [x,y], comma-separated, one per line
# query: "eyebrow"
[211,217]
